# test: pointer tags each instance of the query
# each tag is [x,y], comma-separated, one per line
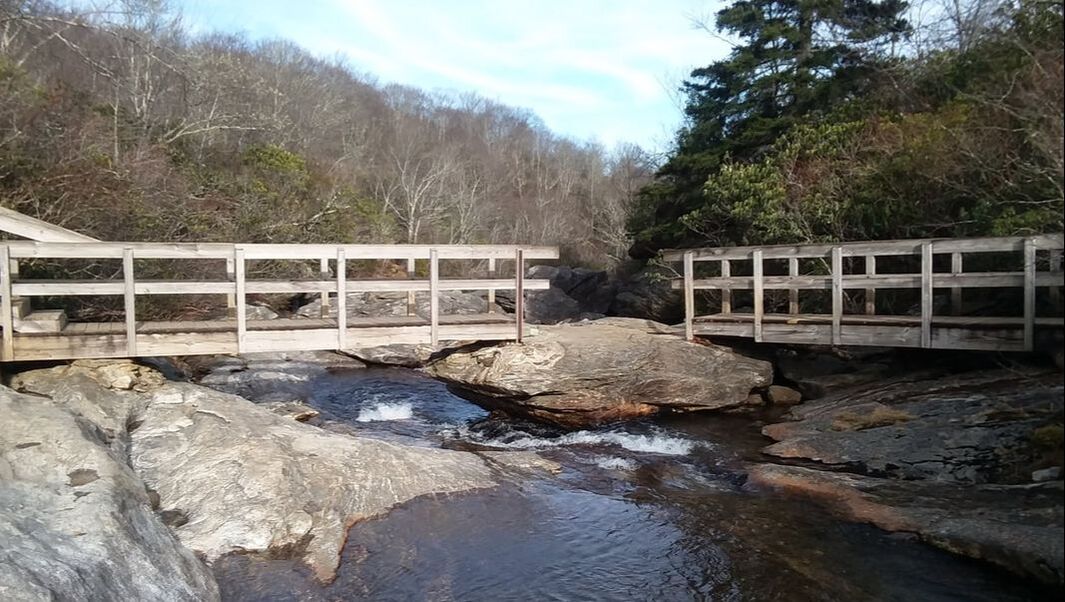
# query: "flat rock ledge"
[579,375]
[225,475]
[1017,527]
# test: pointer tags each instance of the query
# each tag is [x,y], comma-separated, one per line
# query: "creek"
[652,510]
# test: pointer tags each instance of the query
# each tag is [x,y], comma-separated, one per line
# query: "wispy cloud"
[590,68]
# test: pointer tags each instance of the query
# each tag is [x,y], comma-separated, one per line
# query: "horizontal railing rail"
[837,280]
[332,267]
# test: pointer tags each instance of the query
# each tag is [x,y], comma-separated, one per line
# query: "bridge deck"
[82,340]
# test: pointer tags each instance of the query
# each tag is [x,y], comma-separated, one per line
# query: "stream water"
[647,511]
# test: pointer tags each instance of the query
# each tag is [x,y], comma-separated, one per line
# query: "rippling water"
[648,511]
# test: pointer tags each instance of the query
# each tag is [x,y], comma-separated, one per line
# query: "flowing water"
[647,511]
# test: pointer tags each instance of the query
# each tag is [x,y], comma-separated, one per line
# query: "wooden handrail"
[863,248]
[925,281]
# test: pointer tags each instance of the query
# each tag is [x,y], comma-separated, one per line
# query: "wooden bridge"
[47,335]
[999,294]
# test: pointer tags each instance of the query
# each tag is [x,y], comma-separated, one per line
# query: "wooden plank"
[726,293]
[231,297]
[7,321]
[926,294]
[150,250]
[863,248]
[323,276]
[341,333]
[837,295]
[793,293]
[857,281]
[412,304]
[689,297]
[130,298]
[491,291]
[32,228]
[759,294]
[241,298]
[870,293]
[955,291]
[1029,294]
[519,294]
[1055,272]
[434,297]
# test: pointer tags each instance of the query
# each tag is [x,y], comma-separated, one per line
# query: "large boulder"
[576,375]
[230,476]
[76,523]
[1016,527]
[648,293]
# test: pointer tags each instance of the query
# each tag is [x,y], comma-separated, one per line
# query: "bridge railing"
[860,258]
[333,279]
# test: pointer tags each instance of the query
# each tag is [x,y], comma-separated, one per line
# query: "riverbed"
[653,510]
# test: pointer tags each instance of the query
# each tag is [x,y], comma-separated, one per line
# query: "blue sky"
[591,69]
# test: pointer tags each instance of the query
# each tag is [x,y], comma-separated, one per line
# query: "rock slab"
[76,523]
[578,375]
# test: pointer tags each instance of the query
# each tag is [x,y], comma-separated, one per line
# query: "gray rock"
[817,373]
[975,427]
[75,521]
[243,479]
[648,294]
[300,412]
[403,355]
[1046,474]
[581,374]
[395,304]
[270,377]
[1016,527]
[230,476]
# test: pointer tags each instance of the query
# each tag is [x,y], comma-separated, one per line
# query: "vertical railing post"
[837,295]
[130,297]
[491,291]
[726,292]
[1055,270]
[956,268]
[927,292]
[689,295]
[342,298]
[241,299]
[434,297]
[519,294]
[7,320]
[231,298]
[870,293]
[323,275]
[759,294]
[793,291]
[412,302]
[1029,294]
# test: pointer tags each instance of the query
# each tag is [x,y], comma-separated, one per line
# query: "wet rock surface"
[1017,527]
[964,460]
[974,427]
[589,373]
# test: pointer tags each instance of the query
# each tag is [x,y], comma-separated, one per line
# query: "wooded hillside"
[124,126]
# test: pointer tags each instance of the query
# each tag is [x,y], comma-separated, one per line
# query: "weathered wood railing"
[850,266]
[236,286]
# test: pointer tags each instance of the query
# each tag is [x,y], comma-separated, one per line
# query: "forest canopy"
[840,120]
